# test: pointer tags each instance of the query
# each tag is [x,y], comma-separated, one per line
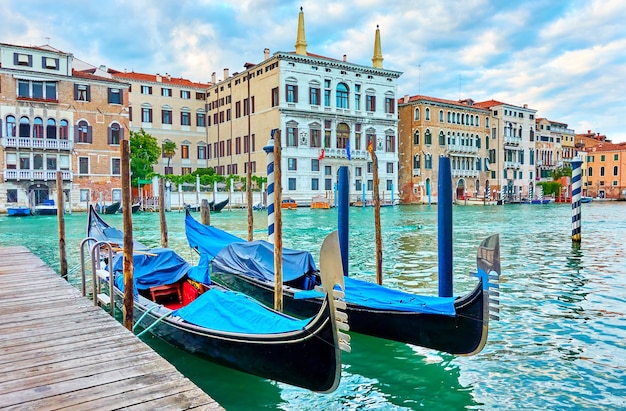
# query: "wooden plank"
[65,353]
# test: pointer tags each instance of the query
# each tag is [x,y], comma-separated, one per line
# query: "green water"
[560,343]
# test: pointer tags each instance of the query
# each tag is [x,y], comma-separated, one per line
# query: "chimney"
[103,67]
[169,78]
[266,53]
[158,78]
[525,106]
[213,78]
[344,58]
[226,74]
[406,99]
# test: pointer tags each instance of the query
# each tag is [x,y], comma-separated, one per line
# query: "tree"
[169,151]
[144,154]
[558,173]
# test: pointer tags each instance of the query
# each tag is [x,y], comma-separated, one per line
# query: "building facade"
[169,109]
[58,114]
[511,150]
[605,168]
[328,111]
[431,127]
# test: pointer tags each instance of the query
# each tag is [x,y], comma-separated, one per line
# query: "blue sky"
[567,59]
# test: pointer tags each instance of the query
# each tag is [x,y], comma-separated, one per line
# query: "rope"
[153,324]
[143,315]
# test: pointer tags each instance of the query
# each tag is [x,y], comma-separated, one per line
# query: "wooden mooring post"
[61,220]
[162,213]
[375,193]
[129,286]
[205,212]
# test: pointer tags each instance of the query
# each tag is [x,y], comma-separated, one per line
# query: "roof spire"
[377,60]
[301,39]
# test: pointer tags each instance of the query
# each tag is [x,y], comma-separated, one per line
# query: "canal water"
[560,342]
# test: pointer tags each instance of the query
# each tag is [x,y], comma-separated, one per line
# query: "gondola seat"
[169,294]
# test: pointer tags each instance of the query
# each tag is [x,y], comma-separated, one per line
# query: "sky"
[566,59]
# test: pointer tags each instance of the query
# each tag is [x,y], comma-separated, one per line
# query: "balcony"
[37,143]
[39,175]
[512,165]
[461,149]
[512,141]
[465,173]
[341,153]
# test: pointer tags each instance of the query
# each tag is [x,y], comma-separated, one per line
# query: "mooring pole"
[162,213]
[129,291]
[576,196]
[376,198]
[343,210]
[61,220]
[278,233]
[205,212]
[444,227]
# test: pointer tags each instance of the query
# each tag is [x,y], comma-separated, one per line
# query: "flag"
[321,154]
[348,150]
[370,147]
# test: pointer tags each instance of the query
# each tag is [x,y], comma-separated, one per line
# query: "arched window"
[342,95]
[64,130]
[449,118]
[51,129]
[115,134]
[442,138]
[416,161]
[11,127]
[24,127]
[441,116]
[82,135]
[343,135]
[416,113]
[427,114]
[38,128]
[416,138]
[428,138]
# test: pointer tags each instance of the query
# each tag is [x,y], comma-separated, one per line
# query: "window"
[315,164]
[390,105]
[185,94]
[83,132]
[238,109]
[358,171]
[441,116]
[166,116]
[51,129]
[602,171]
[602,157]
[20,59]
[615,170]
[292,183]
[114,134]
[327,132]
[342,96]
[343,135]
[185,170]
[185,118]
[416,161]
[357,97]
[168,170]
[370,103]
[24,161]
[200,119]
[83,165]
[292,93]
[442,139]
[314,96]
[166,92]
[390,143]
[292,164]
[11,127]
[315,184]
[116,165]
[615,157]
[292,137]
[24,130]
[238,145]
[416,138]
[146,90]
[38,128]
[82,92]
[389,185]
[114,96]
[427,111]
[389,168]
[146,115]
[274,99]
[328,184]
[326,93]
[84,194]
[328,170]
[428,161]
[41,90]
[416,113]
[428,138]
[316,139]
[184,151]
[201,152]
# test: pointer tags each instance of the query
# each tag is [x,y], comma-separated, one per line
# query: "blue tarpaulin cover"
[207,239]
[231,311]
[256,259]
[166,267]
[375,296]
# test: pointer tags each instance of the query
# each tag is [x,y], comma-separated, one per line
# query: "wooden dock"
[59,351]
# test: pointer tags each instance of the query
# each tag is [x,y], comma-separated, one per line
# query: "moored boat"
[47,207]
[454,325]
[180,305]
[19,211]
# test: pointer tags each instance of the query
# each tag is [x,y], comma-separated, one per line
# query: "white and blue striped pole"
[269,150]
[576,195]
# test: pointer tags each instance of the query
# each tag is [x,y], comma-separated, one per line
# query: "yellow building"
[58,114]
[430,127]
[606,171]
[328,110]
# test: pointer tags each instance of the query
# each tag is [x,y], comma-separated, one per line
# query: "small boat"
[47,207]
[112,208]
[537,201]
[181,305]
[217,207]
[289,203]
[258,206]
[133,208]
[454,325]
[585,199]
[320,202]
[475,201]
[19,211]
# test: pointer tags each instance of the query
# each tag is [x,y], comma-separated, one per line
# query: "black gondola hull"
[465,333]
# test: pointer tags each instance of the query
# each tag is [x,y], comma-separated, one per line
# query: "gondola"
[180,305]
[217,207]
[453,325]
[112,208]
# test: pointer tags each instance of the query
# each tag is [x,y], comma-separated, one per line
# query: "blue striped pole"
[444,227]
[269,150]
[363,194]
[576,194]
[343,206]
